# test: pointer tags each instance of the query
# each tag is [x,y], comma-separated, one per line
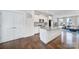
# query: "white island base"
[47,35]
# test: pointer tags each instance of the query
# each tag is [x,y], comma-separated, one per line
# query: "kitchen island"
[47,34]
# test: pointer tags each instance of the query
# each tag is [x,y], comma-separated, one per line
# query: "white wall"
[71,13]
[78,21]
[29,26]
[15,25]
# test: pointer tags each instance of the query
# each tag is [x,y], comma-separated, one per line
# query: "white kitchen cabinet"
[12,26]
[36,30]
[7,25]
[47,34]
[36,19]
[18,26]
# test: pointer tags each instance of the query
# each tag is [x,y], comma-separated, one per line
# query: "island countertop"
[50,28]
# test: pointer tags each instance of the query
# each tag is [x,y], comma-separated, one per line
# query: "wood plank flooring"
[32,42]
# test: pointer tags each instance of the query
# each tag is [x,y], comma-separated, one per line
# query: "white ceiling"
[55,13]
[61,13]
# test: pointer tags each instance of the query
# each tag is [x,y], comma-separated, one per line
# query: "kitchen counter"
[48,34]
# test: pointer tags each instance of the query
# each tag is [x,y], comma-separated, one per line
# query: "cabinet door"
[12,26]
[19,25]
[7,26]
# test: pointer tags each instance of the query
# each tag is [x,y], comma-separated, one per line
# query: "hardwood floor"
[32,42]
[67,40]
[56,43]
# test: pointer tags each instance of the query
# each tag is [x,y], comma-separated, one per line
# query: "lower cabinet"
[48,35]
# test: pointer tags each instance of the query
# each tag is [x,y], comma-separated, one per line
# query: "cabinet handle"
[13,27]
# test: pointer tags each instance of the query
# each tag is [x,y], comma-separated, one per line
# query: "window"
[69,21]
